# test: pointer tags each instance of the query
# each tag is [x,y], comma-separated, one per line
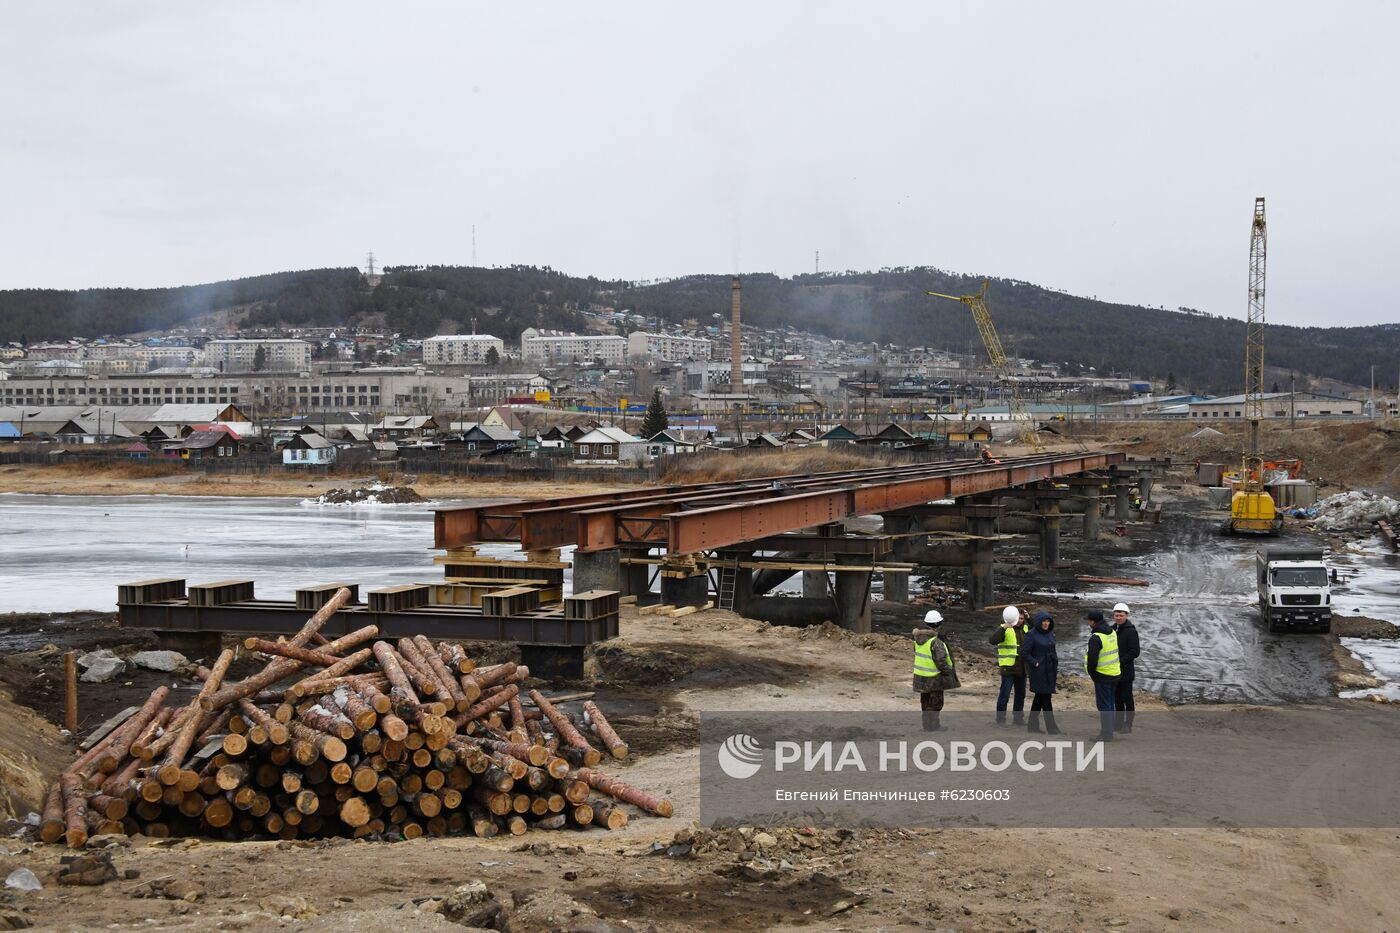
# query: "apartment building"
[381,389]
[240,355]
[552,346]
[461,349]
[667,348]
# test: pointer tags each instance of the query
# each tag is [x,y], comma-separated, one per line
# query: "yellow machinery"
[1015,406]
[1251,508]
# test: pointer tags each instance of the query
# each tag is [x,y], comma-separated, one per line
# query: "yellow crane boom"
[1251,507]
[1001,365]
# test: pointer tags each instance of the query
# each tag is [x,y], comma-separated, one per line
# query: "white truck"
[1293,588]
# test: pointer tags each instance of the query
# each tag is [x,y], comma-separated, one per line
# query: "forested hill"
[1202,351]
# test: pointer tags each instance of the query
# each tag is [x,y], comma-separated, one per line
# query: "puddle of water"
[1382,659]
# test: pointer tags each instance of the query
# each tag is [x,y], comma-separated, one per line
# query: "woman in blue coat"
[1042,667]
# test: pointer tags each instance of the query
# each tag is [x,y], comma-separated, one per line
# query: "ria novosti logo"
[740,756]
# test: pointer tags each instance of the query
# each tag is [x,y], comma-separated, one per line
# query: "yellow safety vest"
[1009,651]
[924,665]
[1108,655]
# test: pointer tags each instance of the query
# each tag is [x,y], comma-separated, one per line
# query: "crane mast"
[1001,365]
[1252,472]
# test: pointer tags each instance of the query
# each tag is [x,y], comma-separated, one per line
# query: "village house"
[609,446]
[203,445]
[308,449]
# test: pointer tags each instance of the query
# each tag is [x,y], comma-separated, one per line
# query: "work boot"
[931,721]
[1127,724]
[1050,726]
[1034,724]
[1018,718]
[1001,718]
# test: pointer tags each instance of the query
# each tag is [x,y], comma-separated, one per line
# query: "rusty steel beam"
[724,526]
[552,519]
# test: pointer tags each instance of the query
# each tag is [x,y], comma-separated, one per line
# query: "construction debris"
[1115,581]
[386,740]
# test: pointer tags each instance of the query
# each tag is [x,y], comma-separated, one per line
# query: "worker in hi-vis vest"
[934,671]
[1007,639]
[1101,663]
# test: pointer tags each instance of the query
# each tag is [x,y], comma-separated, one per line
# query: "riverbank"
[81,479]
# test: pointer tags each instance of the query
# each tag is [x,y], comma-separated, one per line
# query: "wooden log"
[51,826]
[282,667]
[557,767]
[535,755]
[479,818]
[593,716]
[283,650]
[486,677]
[333,723]
[517,720]
[341,773]
[377,699]
[169,771]
[216,723]
[119,781]
[106,727]
[361,715]
[337,672]
[566,729]
[70,692]
[609,816]
[574,790]
[553,821]
[416,667]
[443,676]
[354,812]
[516,825]
[455,657]
[74,809]
[114,753]
[389,662]
[307,803]
[626,793]
[233,775]
[329,747]
[498,804]
[277,733]
[486,705]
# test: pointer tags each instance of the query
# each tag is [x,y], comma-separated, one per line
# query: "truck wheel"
[1326,628]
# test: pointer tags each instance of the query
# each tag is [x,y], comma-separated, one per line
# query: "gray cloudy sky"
[1108,149]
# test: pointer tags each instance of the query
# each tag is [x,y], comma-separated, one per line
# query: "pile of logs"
[351,737]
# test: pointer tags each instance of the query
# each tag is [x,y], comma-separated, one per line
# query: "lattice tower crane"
[1251,507]
[977,304]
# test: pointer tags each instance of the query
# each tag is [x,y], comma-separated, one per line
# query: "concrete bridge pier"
[597,570]
[981,579]
[895,586]
[1049,510]
[853,595]
[1091,517]
[815,584]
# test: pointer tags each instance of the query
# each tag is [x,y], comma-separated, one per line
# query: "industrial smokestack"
[736,353]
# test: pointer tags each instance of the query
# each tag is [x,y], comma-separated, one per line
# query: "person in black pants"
[1128,650]
[1102,665]
[1042,666]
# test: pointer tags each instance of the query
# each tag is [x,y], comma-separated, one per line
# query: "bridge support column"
[895,586]
[980,577]
[853,595]
[636,580]
[1144,484]
[1122,508]
[1049,510]
[814,584]
[693,590]
[1091,518]
[597,570]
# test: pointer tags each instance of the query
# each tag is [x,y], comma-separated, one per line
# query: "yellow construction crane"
[1015,407]
[1252,509]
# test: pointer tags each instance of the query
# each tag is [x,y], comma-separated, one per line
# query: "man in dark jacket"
[1042,664]
[1007,638]
[1102,664]
[934,671]
[1128,650]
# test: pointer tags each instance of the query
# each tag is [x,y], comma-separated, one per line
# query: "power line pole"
[817,263]
[369,264]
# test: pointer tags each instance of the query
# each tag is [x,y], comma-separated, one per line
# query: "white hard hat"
[1011,614]
[933,618]
[1121,607]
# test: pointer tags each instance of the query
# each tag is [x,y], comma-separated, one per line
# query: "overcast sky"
[1108,149]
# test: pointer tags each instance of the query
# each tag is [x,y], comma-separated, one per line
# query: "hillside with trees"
[1201,351]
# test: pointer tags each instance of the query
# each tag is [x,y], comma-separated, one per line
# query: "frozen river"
[62,553]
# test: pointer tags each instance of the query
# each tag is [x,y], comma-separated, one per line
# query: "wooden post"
[70,692]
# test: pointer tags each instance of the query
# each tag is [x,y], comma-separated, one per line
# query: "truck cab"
[1293,589]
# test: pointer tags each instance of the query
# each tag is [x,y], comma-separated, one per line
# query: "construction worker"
[1007,640]
[933,670]
[1101,663]
[1128,650]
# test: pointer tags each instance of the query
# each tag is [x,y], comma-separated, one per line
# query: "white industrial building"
[461,349]
[549,346]
[703,376]
[668,348]
[240,355]
[1281,405]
